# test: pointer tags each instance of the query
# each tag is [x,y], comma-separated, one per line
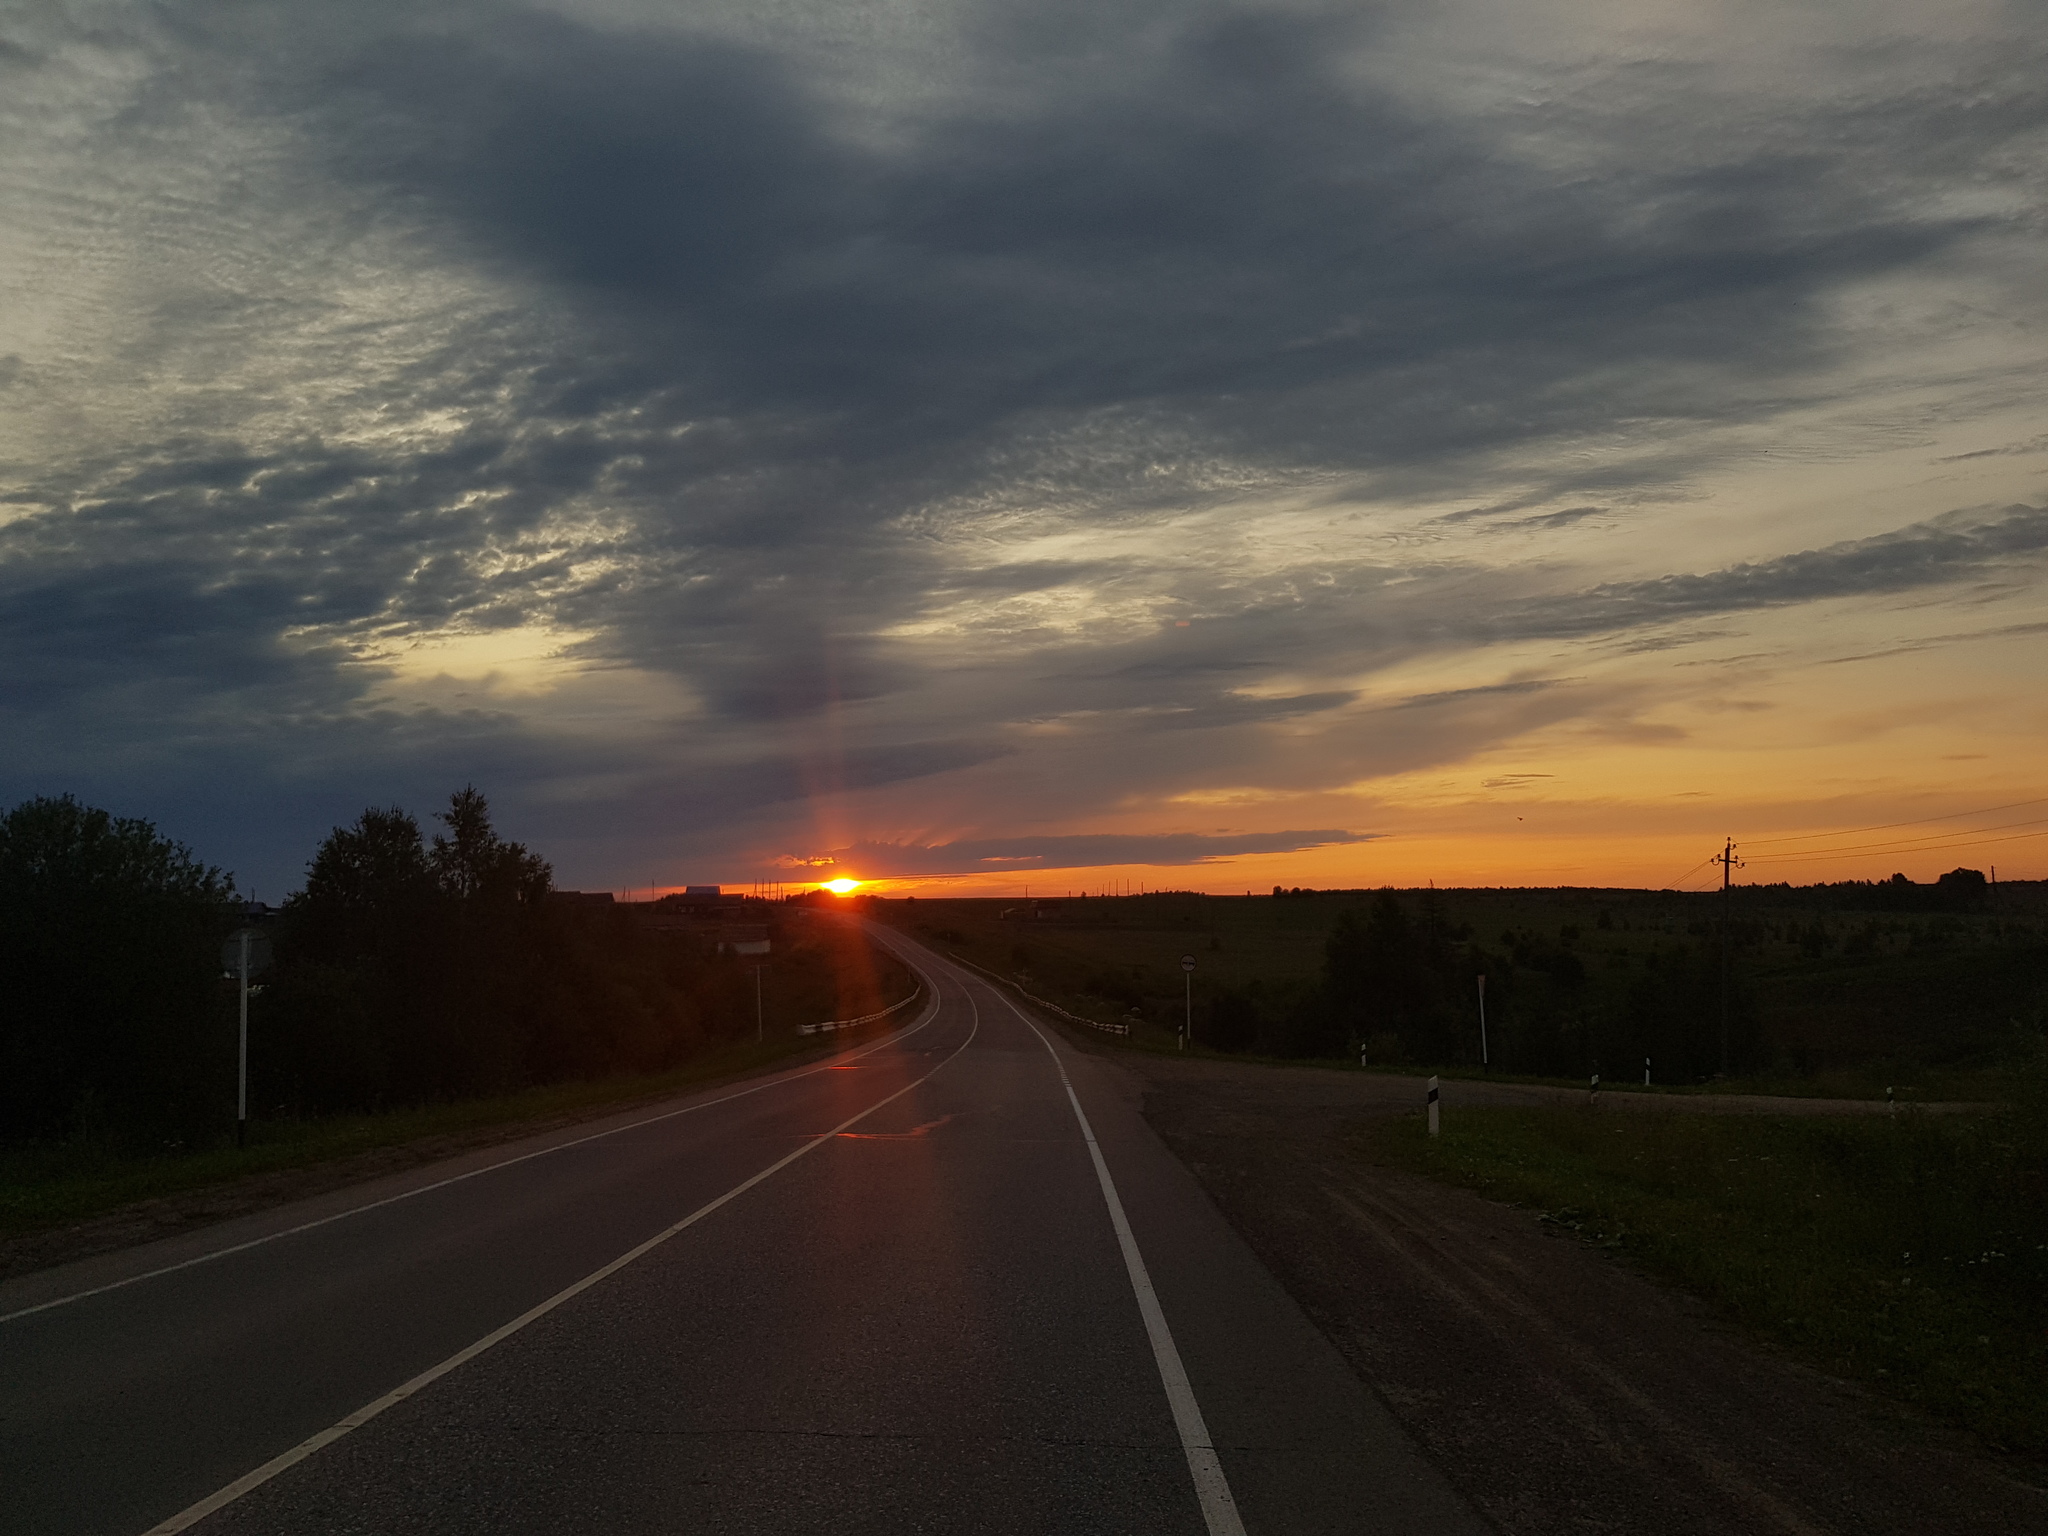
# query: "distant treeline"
[1960,890]
[1401,983]
[410,968]
[1686,1010]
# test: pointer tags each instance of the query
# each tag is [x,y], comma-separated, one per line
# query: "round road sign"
[1187,962]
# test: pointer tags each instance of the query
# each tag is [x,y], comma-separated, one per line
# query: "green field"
[1822,1001]
[1910,1252]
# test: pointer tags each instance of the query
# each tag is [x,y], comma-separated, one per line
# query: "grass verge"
[53,1184]
[1910,1252]
[1911,1086]
[1909,1083]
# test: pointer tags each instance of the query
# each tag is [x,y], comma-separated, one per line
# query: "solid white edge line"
[1219,1507]
[251,1481]
[425,1189]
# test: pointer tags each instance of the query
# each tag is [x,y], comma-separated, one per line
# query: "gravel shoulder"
[1559,1389]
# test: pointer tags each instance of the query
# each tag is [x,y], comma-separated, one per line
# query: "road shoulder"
[1308,1450]
[1557,1389]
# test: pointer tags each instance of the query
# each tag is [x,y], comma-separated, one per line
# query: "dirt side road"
[1559,1390]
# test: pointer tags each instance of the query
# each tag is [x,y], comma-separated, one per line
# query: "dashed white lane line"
[326,1437]
[474,1173]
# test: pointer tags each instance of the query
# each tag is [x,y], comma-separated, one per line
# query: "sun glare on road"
[841,886]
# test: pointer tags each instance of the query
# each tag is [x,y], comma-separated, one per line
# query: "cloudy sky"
[1193,445]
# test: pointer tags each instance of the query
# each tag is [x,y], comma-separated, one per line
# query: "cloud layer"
[1009,855]
[971,427]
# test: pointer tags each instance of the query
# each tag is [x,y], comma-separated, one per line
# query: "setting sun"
[841,886]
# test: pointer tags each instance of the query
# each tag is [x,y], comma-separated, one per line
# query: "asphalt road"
[884,1293]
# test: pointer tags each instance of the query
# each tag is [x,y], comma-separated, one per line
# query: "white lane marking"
[425,1189]
[326,1437]
[1219,1508]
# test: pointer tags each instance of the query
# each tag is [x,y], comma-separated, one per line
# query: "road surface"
[884,1293]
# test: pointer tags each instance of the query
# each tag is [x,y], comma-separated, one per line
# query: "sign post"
[242,1049]
[245,953]
[1187,1028]
[1484,1064]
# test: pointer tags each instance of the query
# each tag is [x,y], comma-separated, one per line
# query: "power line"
[1670,885]
[1807,837]
[1846,853]
[1904,844]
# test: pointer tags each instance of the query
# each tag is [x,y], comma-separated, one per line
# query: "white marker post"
[1484,1064]
[1646,1071]
[1433,1095]
[1187,1028]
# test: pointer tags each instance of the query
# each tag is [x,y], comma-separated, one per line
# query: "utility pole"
[760,1029]
[1187,1029]
[1728,862]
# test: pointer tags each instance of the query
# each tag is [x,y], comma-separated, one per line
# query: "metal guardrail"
[866,1018]
[1071,1018]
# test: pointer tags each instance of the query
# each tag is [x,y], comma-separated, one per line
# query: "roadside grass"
[1911,1084]
[1910,1252]
[1946,1028]
[52,1184]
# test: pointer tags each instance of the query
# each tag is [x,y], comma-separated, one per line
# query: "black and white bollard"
[1433,1094]
[1593,1093]
[1646,1071]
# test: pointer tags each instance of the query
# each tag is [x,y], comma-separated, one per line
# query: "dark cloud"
[1468,695]
[1955,547]
[1002,855]
[1226,235]
[1563,519]
[810,776]
[1227,711]
[1932,642]
[2029,446]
